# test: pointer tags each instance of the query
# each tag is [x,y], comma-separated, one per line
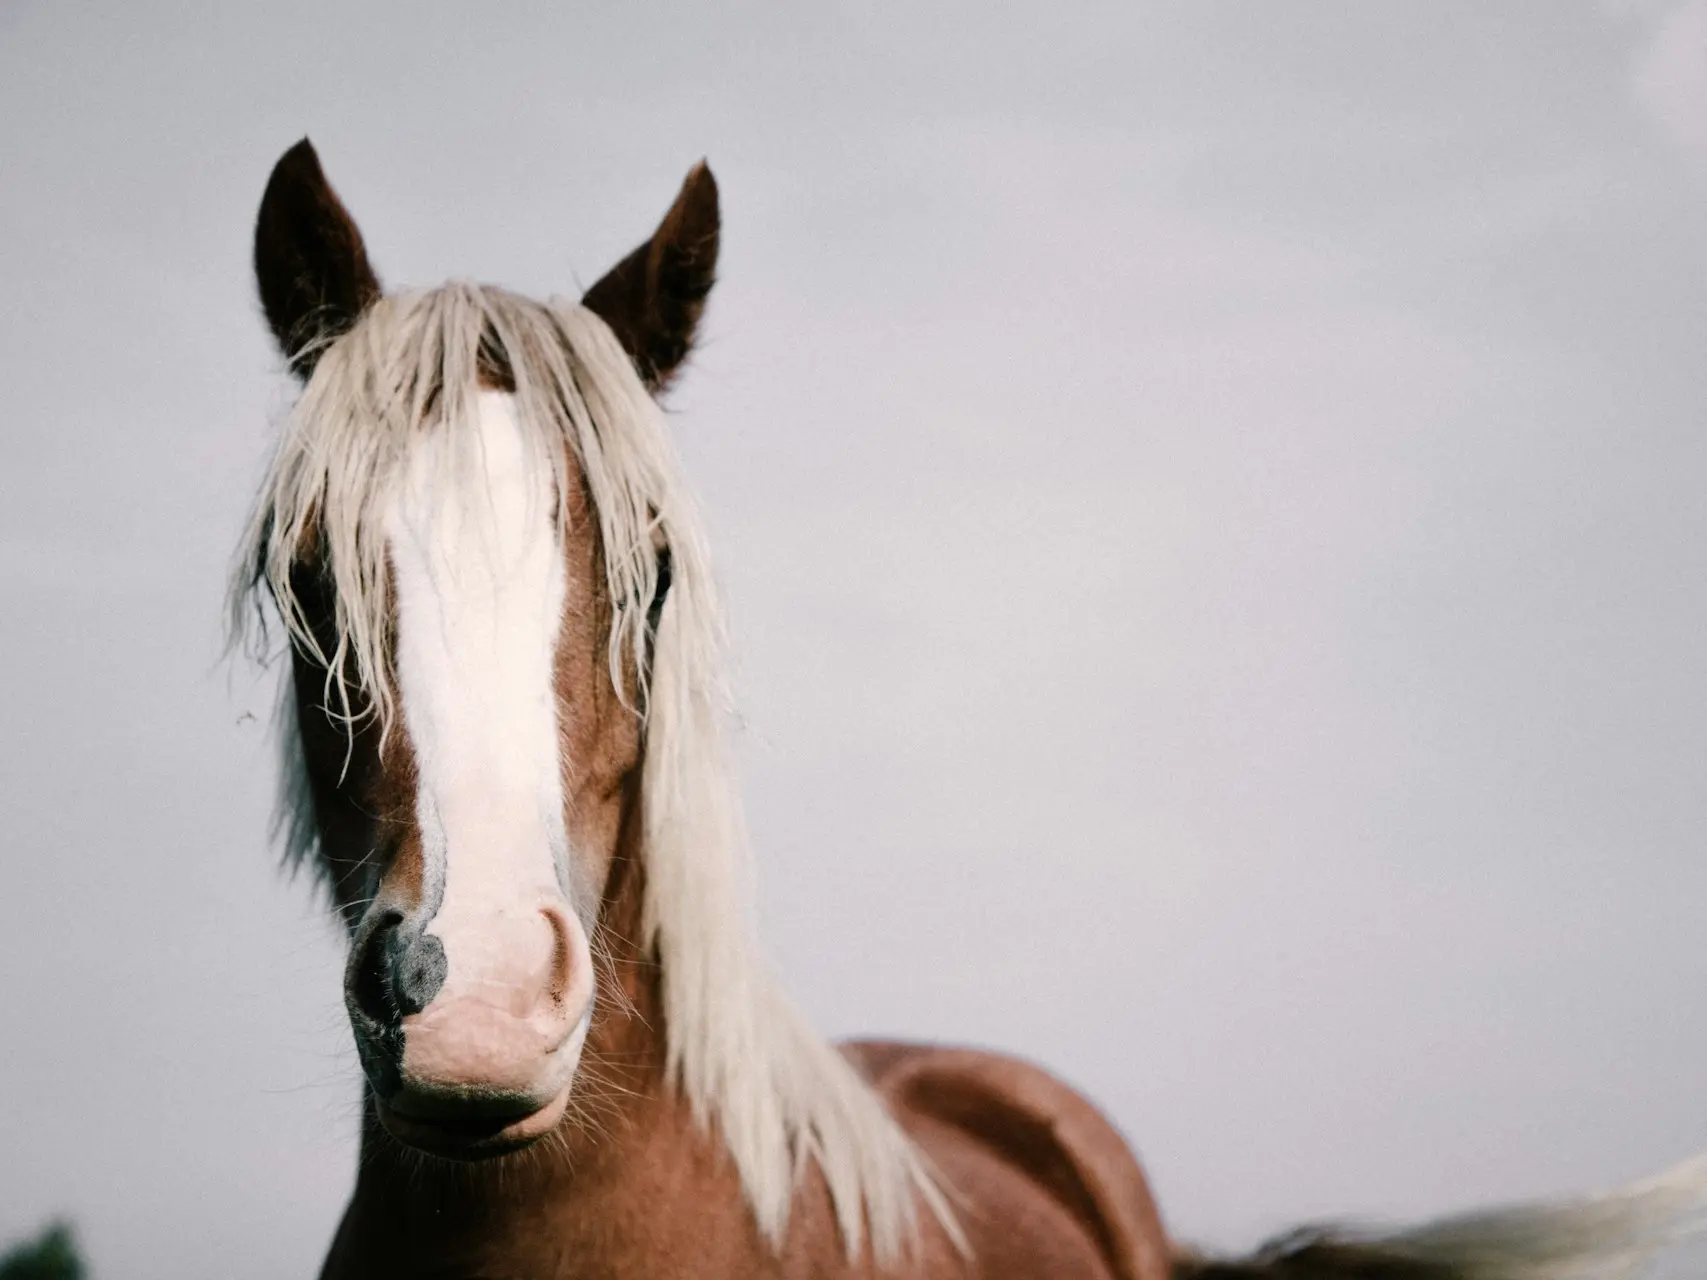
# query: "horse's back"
[1043,1183]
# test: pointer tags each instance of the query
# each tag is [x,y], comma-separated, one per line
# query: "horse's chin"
[472,1137]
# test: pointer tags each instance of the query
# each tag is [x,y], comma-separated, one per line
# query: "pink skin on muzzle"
[487,1065]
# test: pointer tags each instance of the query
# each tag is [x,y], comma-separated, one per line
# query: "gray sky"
[1210,496]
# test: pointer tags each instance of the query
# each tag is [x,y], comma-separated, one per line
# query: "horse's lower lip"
[471,1137]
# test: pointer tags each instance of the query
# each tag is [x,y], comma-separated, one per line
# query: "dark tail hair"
[1602,1237]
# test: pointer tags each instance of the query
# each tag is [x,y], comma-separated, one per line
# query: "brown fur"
[310,263]
[631,1187]
[654,297]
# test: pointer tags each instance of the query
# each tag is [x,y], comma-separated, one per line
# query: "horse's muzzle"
[470,1033]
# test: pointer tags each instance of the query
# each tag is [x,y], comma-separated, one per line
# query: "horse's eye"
[309,579]
[660,591]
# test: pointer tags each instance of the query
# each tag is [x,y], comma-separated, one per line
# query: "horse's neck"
[629,1141]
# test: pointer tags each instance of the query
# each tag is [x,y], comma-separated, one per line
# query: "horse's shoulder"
[1036,1122]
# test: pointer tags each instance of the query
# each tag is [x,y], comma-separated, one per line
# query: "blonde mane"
[778,1094]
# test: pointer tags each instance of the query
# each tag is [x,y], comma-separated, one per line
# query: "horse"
[504,752]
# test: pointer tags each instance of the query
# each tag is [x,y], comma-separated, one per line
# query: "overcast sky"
[1211,499]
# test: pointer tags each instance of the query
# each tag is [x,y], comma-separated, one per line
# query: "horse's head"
[475,573]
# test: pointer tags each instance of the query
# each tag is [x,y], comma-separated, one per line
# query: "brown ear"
[310,264]
[653,298]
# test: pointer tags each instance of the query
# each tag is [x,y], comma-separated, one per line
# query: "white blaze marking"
[479,581]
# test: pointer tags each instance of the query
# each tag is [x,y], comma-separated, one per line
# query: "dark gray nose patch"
[397,967]
[396,971]
[415,967]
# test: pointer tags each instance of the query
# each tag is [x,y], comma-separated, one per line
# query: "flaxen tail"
[1604,1237]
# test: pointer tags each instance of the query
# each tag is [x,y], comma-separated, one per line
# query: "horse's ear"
[310,264]
[653,298]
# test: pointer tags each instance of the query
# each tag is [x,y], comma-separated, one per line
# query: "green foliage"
[50,1256]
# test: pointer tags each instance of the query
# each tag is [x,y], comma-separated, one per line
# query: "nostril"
[562,971]
[369,983]
[397,971]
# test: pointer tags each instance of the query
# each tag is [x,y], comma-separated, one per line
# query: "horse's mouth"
[471,1137]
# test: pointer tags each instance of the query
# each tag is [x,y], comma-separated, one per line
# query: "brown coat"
[1043,1185]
